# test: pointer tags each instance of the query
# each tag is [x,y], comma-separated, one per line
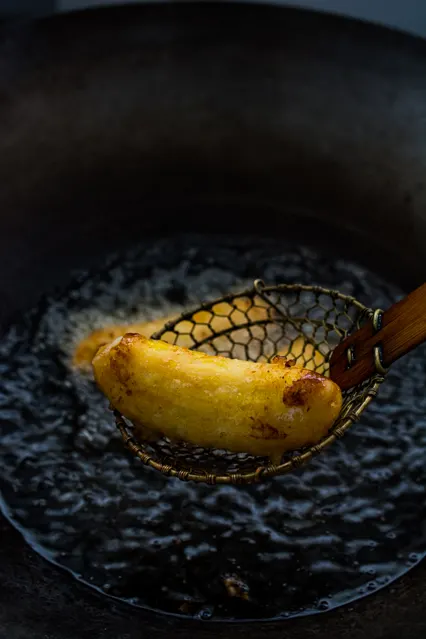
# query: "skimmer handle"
[374,347]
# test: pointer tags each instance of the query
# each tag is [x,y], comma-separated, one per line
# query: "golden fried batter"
[87,348]
[214,401]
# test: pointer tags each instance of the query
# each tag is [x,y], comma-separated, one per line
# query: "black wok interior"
[133,122]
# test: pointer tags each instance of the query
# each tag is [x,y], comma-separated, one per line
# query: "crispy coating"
[87,348]
[305,355]
[214,401]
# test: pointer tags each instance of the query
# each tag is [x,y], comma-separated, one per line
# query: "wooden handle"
[380,342]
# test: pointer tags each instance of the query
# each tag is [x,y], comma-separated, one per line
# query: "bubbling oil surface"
[342,527]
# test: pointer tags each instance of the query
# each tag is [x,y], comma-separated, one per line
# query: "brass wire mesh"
[303,323]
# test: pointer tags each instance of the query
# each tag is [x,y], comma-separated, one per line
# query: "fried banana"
[87,348]
[214,401]
[241,311]
[304,355]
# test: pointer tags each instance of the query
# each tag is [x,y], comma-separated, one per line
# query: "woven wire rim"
[262,471]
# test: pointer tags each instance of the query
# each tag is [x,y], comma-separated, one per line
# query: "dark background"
[407,15]
[27,7]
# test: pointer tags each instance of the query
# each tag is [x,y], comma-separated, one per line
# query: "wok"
[157,120]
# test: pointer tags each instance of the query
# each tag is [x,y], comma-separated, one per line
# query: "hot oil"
[342,527]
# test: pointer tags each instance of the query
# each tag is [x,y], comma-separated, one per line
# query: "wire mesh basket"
[300,323]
